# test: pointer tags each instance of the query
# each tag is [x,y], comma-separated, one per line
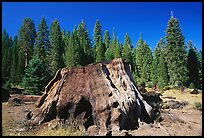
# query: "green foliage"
[198,106]
[127,50]
[20,66]
[107,39]
[192,66]
[155,62]
[143,59]
[73,52]
[149,84]
[100,50]
[162,72]
[7,86]
[192,86]
[6,56]
[97,32]
[199,57]
[109,53]
[85,43]
[55,58]
[175,53]
[117,50]
[14,61]
[35,77]
[27,35]
[42,41]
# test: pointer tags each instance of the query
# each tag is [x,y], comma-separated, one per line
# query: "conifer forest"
[31,58]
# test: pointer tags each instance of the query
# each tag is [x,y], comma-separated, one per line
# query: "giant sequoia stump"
[103,95]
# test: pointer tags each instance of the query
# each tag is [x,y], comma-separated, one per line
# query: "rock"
[102,97]
[195,91]
[174,104]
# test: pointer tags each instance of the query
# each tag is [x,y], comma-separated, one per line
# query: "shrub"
[192,86]
[149,84]
[166,88]
[198,106]
[35,77]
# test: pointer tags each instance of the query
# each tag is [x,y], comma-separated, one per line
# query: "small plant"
[192,86]
[149,84]
[166,88]
[198,106]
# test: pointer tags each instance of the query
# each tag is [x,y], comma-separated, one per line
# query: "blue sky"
[149,18]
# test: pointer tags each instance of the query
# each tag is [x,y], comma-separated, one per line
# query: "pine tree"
[109,53]
[162,71]
[199,57]
[42,41]
[56,48]
[107,39]
[192,66]
[35,78]
[5,61]
[20,66]
[14,61]
[155,62]
[117,50]
[143,61]
[65,39]
[127,52]
[27,36]
[85,43]
[97,35]
[176,55]
[74,50]
[100,50]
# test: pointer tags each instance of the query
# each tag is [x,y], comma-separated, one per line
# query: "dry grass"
[12,121]
[12,117]
[59,132]
[183,96]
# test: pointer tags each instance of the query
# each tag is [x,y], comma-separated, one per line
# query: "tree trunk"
[103,95]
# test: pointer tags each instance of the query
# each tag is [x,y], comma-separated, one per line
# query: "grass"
[183,96]
[60,132]
[12,119]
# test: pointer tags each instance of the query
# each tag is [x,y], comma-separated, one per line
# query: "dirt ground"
[176,122]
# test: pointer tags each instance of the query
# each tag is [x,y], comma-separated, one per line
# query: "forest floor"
[176,122]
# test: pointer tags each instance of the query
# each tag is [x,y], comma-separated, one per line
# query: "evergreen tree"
[87,55]
[143,61]
[74,50]
[27,36]
[162,71]
[176,55]
[65,39]
[5,61]
[56,48]
[100,50]
[35,78]
[14,61]
[42,41]
[107,39]
[155,62]
[199,56]
[97,35]
[109,53]
[192,66]
[127,52]
[20,66]
[117,50]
